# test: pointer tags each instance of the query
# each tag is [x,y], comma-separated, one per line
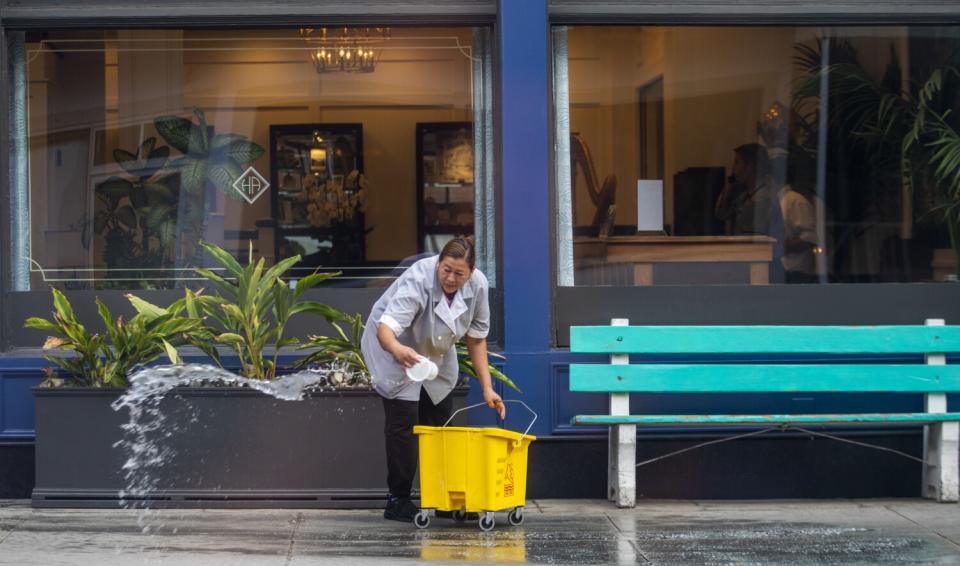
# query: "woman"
[425,312]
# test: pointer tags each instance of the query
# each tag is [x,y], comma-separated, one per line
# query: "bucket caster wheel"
[515,517]
[422,519]
[459,515]
[487,521]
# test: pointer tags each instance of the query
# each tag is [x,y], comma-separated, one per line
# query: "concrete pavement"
[834,532]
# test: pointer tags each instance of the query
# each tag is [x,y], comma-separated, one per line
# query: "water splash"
[147,429]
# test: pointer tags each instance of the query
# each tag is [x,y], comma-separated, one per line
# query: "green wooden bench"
[619,378]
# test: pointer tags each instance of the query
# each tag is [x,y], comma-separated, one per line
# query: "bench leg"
[939,441]
[940,479]
[622,476]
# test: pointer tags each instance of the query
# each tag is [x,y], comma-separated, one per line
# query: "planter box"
[234,448]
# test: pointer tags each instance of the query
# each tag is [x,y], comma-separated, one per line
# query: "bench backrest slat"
[745,378]
[764,339]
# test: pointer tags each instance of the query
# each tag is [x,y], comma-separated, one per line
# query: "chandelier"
[347,49]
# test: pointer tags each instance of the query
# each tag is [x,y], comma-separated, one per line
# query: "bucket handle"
[505,401]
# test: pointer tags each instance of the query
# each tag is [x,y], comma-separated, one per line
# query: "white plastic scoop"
[423,370]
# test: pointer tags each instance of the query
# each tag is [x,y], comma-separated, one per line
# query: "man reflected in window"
[749,202]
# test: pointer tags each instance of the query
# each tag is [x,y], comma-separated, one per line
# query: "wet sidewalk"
[834,532]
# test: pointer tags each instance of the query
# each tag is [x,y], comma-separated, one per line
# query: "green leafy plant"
[933,142]
[217,160]
[467,367]
[137,207]
[208,161]
[105,360]
[253,305]
[344,347]
[907,136]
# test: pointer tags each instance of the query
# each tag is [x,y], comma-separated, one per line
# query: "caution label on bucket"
[508,481]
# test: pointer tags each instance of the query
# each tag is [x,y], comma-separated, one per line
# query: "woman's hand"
[494,402]
[405,355]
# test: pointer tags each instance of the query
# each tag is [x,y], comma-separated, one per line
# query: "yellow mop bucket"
[473,470]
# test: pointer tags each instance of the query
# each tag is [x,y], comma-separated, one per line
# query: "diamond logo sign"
[251,184]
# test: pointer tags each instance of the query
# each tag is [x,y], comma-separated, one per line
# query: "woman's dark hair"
[460,248]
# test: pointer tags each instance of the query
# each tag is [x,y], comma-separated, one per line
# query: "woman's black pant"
[400,418]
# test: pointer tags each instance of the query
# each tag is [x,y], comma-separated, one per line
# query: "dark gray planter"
[244,449]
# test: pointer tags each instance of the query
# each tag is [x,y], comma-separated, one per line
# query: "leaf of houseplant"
[467,367]
[313,307]
[107,319]
[242,151]
[233,313]
[311,281]
[193,173]
[38,323]
[167,232]
[138,196]
[175,131]
[198,144]
[221,283]
[127,217]
[146,147]
[174,326]
[154,162]
[63,307]
[53,342]
[127,160]
[100,220]
[211,306]
[72,329]
[155,215]
[114,188]
[281,302]
[230,338]
[148,310]
[280,268]
[223,174]
[224,258]
[221,141]
[249,286]
[158,192]
[190,304]
[171,353]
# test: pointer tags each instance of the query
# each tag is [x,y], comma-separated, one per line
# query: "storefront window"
[760,155]
[142,143]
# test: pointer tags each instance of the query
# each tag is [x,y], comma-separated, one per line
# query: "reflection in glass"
[445,182]
[142,143]
[785,154]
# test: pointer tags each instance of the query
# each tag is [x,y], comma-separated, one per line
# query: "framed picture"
[445,186]
[308,164]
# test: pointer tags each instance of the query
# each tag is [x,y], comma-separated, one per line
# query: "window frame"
[205,14]
[836,303]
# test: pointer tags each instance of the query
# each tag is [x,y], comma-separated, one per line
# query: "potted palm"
[221,445]
[73,459]
[904,136]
